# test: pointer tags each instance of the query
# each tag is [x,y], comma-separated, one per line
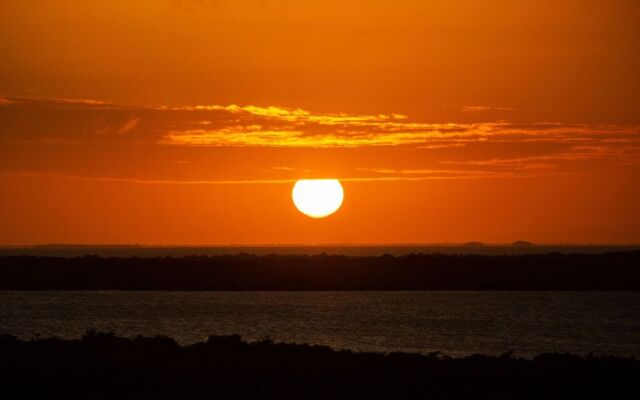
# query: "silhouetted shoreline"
[519,247]
[102,365]
[615,271]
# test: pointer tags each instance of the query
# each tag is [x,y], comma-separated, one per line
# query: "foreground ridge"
[105,366]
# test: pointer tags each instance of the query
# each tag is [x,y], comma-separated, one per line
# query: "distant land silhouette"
[104,366]
[522,243]
[133,250]
[554,271]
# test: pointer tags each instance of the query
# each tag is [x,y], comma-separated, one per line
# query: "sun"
[317,198]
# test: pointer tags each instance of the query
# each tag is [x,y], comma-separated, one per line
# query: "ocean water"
[455,323]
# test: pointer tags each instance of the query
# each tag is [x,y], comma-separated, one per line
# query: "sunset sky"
[188,122]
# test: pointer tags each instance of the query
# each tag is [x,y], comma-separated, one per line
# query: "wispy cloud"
[625,154]
[58,102]
[442,174]
[289,127]
[253,126]
[384,176]
[484,108]
[392,133]
[299,115]
[53,175]
[129,125]
[466,150]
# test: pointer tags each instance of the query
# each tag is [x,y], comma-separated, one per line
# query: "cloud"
[441,146]
[298,115]
[388,176]
[129,125]
[52,175]
[57,102]
[295,127]
[484,108]
[32,119]
[442,174]
[359,131]
[469,150]
[238,136]
[626,154]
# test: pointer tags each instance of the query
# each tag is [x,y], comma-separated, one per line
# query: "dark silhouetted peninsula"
[554,271]
[104,366]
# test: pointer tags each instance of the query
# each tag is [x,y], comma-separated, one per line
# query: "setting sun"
[173,178]
[317,198]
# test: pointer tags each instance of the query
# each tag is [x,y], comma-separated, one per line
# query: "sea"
[453,323]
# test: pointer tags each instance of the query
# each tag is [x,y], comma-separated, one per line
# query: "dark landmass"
[103,366]
[493,249]
[522,243]
[555,271]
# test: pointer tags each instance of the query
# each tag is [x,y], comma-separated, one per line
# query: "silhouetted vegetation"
[128,250]
[102,366]
[555,271]
[474,244]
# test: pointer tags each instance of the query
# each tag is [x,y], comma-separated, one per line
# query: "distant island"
[553,271]
[474,244]
[105,366]
[78,250]
[521,243]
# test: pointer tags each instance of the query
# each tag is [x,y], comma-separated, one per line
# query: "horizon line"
[471,243]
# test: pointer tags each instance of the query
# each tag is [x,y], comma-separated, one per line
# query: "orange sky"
[187,122]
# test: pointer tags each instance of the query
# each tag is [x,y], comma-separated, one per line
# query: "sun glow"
[317,198]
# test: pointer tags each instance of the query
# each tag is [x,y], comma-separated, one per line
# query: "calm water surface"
[456,323]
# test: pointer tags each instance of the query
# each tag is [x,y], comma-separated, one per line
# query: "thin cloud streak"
[497,146]
[253,126]
[53,175]
[574,153]
[485,108]
[129,125]
[464,175]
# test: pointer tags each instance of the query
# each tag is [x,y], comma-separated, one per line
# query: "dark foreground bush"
[104,366]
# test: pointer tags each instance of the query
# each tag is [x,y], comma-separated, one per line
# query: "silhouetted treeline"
[610,271]
[103,366]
